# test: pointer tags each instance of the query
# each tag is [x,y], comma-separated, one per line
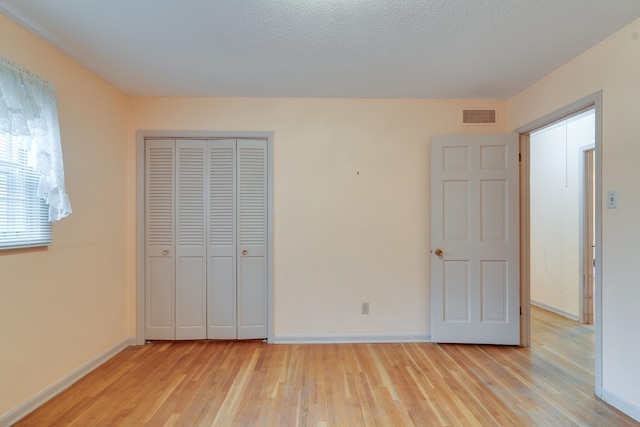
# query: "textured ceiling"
[323,48]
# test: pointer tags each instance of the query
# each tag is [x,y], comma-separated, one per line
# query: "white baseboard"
[350,339]
[555,310]
[621,404]
[24,409]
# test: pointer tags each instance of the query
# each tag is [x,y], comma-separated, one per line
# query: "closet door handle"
[244,252]
[165,252]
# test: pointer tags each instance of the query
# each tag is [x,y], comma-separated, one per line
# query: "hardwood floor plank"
[218,383]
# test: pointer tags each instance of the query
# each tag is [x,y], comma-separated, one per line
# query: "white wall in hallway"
[555,212]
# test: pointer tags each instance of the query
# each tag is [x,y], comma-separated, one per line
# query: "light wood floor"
[255,384]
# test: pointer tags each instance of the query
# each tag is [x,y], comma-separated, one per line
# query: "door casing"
[141,136]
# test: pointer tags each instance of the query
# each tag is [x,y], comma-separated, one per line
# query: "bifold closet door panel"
[159,232]
[206,239]
[252,239]
[191,248]
[221,299]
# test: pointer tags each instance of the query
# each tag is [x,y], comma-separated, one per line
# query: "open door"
[475,239]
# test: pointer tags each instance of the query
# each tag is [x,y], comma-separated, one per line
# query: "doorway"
[561,216]
[591,102]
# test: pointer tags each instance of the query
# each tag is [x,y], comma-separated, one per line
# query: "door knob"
[244,252]
[439,252]
[165,252]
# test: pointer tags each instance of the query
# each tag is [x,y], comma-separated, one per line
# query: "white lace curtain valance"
[29,116]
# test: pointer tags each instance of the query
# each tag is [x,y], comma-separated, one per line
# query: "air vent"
[479,117]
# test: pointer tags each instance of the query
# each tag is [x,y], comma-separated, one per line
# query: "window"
[23,215]
[32,190]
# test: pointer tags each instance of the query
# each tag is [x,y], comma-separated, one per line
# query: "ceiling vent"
[479,117]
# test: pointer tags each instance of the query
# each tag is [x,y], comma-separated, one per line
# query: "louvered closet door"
[206,233]
[252,239]
[159,232]
[222,301]
[191,248]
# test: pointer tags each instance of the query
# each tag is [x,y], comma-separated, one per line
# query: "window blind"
[23,215]
[32,189]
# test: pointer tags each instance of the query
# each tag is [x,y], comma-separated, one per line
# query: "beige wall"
[351,202]
[613,66]
[61,307]
[340,238]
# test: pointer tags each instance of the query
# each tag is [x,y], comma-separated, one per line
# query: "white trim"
[573,109]
[555,310]
[140,226]
[351,339]
[270,197]
[621,404]
[39,399]
[141,136]
[525,236]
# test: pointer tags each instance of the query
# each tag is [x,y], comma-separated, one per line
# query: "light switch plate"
[612,199]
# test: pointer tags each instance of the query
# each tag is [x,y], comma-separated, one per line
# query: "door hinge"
[520,310]
[519,157]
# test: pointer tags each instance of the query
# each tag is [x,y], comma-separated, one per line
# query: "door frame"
[587,220]
[141,137]
[593,101]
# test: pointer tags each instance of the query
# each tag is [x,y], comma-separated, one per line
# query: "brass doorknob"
[439,252]
[244,252]
[165,252]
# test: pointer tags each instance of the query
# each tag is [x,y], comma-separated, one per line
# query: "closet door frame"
[141,137]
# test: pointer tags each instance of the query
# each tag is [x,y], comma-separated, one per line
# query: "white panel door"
[191,248]
[159,232]
[221,284]
[252,239]
[474,239]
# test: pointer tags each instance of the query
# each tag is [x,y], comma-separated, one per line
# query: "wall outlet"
[365,308]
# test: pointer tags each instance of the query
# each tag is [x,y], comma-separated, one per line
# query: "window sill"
[23,250]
